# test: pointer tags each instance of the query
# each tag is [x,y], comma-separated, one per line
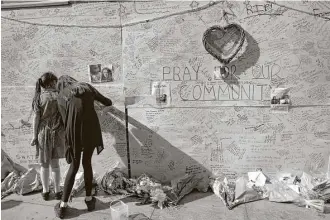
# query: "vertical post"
[127,144]
[328,173]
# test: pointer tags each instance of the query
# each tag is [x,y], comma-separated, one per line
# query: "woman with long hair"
[48,132]
[82,134]
[106,75]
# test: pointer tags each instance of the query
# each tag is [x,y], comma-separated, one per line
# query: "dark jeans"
[71,175]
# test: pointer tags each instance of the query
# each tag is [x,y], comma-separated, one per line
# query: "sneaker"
[91,204]
[59,211]
[45,196]
[58,195]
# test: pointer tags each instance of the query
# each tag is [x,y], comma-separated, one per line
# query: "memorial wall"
[270,108]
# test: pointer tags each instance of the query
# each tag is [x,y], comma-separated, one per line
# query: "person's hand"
[106,109]
[34,141]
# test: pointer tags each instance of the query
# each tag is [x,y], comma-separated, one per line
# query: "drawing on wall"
[100,73]
[280,100]
[224,43]
[162,93]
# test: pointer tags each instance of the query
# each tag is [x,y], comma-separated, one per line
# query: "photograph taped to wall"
[280,100]
[162,93]
[100,73]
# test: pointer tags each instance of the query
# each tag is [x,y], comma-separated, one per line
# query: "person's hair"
[45,81]
[109,72]
[92,66]
[65,81]
[75,87]
[107,69]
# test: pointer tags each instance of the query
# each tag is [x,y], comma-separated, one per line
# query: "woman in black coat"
[82,134]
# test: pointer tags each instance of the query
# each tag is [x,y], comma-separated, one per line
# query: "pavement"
[195,206]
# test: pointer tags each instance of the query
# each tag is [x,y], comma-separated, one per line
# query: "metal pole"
[127,144]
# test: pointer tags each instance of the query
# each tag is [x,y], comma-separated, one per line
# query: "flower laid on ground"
[158,195]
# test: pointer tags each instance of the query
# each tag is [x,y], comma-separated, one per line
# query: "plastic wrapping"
[28,182]
[316,204]
[204,184]
[9,183]
[152,190]
[245,194]
[234,194]
[145,183]
[22,184]
[8,166]
[281,192]
[306,181]
[323,190]
[314,188]
[79,183]
[223,189]
[158,196]
[116,182]
[287,177]
[311,191]
[257,178]
[183,185]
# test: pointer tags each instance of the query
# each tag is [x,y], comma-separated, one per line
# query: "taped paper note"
[280,100]
[161,92]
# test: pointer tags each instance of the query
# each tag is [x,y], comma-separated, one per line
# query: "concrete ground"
[196,206]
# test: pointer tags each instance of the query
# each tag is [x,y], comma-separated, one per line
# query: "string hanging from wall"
[161,17]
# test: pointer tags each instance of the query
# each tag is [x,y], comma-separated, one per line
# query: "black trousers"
[74,167]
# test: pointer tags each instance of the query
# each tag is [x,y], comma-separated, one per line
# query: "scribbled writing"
[223,92]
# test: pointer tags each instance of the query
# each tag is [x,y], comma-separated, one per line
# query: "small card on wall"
[280,100]
[99,73]
[161,92]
